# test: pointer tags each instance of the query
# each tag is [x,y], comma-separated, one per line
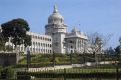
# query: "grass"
[43,60]
[65,58]
[59,58]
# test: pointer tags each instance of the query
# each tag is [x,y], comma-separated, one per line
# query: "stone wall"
[7,59]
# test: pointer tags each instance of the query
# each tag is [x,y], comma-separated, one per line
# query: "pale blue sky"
[103,16]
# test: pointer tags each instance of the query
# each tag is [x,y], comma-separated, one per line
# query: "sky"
[102,16]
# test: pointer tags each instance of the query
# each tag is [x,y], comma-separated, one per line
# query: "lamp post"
[71,57]
[28,58]
[53,58]
[84,54]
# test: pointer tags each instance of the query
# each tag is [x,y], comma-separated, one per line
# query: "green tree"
[27,40]
[16,29]
[110,51]
[2,42]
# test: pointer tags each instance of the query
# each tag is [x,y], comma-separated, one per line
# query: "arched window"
[50,45]
[41,44]
[46,45]
[38,44]
[71,47]
[33,49]
[41,38]
[34,43]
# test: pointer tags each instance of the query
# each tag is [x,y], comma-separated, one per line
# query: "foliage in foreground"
[7,72]
[15,32]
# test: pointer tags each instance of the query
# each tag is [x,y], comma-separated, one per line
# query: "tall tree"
[16,30]
[95,39]
[92,37]
[96,42]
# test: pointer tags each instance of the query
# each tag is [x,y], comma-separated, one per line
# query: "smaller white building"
[75,41]
[40,44]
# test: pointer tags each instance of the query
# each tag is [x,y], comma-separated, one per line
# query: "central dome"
[55,17]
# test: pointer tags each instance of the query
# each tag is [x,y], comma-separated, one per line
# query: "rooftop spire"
[55,9]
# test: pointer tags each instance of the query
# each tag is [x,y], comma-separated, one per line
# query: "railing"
[73,74]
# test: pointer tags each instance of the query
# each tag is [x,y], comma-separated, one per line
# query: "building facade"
[57,29]
[75,42]
[40,43]
[56,38]
[62,41]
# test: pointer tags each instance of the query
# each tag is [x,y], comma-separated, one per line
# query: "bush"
[7,73]
[23,77]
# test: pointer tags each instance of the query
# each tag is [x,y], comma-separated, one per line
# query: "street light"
[84,54]
[71,57]
[28,58]
[53,58]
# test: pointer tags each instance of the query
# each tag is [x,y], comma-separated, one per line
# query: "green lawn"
[65,58]
[47,58]
[59,58]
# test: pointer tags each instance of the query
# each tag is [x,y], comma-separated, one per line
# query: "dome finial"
[55,9]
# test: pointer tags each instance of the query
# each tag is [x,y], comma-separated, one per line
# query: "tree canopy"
[16,29]
[92,38]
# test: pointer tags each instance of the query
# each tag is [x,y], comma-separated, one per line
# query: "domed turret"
[55,17]
[55,23]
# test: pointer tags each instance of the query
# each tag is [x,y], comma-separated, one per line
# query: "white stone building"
[62,41]
[75,41]
[40,43]
[56,38]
